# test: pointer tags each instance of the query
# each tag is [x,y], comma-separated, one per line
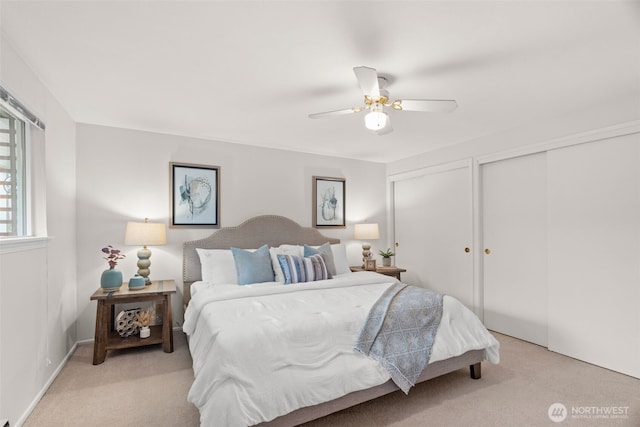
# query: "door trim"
[614,131]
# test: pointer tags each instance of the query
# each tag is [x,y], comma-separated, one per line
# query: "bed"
[271,354]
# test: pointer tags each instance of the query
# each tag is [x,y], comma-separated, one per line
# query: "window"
[13,203]
[21,174]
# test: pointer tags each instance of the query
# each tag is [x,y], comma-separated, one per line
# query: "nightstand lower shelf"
[116,342]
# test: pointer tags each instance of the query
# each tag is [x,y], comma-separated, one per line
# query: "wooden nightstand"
[392,271]
[108,339]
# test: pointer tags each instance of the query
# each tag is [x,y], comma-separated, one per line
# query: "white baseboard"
[44,389]
[46,386]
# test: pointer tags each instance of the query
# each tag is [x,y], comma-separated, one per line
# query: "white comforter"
[261,351]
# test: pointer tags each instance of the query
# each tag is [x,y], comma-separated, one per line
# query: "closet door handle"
[467,250]
[487,251]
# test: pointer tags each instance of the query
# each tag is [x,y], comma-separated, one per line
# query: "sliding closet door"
[514,229]
[409,230]
[433,227]
[594,252]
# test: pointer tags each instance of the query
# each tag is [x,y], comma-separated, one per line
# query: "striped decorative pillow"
[308,269]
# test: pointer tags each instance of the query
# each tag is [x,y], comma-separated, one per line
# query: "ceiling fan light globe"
[375,120]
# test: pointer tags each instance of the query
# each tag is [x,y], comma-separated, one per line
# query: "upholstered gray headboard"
[272,230]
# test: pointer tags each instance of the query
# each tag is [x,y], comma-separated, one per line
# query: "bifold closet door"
[433,229]
[594,252]
[514,231]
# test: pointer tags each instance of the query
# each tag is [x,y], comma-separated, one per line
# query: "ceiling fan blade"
[368,80]
[336,113]
[425,105]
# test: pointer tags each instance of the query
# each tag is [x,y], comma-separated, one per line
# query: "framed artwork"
[195,195]
[370,264]
[328,202]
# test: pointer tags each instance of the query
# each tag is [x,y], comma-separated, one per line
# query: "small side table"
[392,271]
[106,338]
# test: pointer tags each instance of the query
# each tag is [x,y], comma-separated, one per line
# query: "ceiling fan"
[376,98]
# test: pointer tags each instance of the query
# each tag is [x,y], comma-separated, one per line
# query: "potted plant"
[111,279]
[143,320]
[386,256]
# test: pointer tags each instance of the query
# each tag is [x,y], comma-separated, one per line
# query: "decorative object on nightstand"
[145,332]
[370,264]
[386,257]
[136,282]
[126,324]
[145,233]
[366,232]
[111,279]
[143,320]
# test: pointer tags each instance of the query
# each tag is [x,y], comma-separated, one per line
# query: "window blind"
[11,103]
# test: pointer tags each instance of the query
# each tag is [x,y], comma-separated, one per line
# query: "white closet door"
[409,232]
[514,228]
[594,252]
[433,226]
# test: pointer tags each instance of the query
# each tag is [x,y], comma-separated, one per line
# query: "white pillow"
[218,266]
[294,250]
[340,260]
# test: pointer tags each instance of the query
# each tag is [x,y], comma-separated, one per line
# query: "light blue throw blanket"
[400,330]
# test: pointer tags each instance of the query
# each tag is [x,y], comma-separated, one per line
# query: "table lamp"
[145,233]
[366,232]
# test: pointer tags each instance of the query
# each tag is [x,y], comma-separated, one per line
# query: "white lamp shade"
[375,120]
[145,233]
[366,232]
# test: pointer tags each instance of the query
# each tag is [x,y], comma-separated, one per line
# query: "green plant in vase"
[386,256]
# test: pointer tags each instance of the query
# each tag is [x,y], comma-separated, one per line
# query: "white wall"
[37,286]
[123,175]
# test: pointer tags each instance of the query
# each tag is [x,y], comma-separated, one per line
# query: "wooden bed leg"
[475,371]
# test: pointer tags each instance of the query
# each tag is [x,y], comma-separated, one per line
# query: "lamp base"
[366,253]
[144,262]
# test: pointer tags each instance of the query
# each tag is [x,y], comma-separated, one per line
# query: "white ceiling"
[250,72]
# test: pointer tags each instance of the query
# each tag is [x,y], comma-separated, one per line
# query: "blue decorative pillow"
[253,267]
[327,254]
[308,269]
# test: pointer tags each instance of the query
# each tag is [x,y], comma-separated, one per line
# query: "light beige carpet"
[144,386]
[140,387]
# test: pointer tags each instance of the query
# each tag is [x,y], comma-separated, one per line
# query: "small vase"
[145,332]
[136,282]
[111,280]
[386,262]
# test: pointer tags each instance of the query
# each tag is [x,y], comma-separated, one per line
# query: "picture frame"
[195,195]
[328,206]
[370,264]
